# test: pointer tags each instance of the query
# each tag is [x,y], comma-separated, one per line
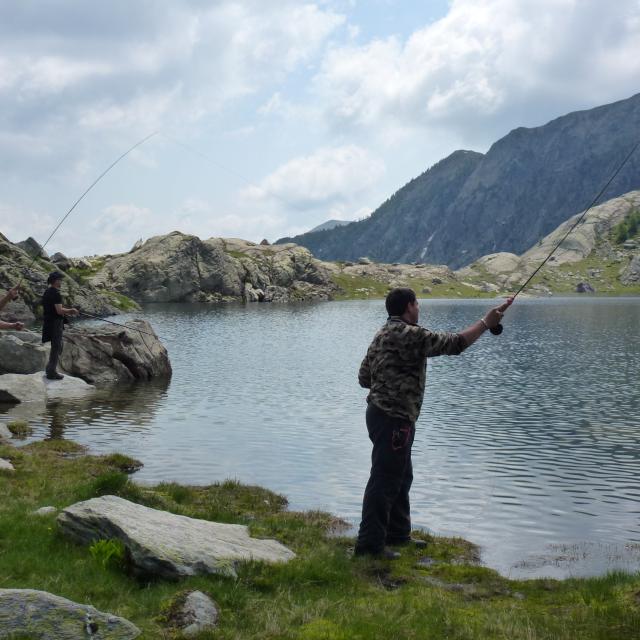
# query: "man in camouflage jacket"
[394,370]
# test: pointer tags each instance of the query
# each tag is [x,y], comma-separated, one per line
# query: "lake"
[528,443]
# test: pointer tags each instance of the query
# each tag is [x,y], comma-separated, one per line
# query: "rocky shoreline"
[97,355]
[178,267]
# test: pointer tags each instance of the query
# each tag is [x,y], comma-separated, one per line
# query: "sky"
[274,116]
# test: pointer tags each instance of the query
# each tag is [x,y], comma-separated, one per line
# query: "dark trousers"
[385,508]
[55,333]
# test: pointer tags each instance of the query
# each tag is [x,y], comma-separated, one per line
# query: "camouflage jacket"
[394,368]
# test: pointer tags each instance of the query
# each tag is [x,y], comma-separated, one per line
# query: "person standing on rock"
[54,318]
[394,370]
[12,294]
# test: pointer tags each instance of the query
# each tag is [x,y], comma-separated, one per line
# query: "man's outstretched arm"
[490,321]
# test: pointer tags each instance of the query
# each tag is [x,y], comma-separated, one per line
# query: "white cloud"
[487,64]
[119,226]
[71,70]
[330,174]
[200,217]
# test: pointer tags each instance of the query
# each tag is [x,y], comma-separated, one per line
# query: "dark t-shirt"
[51,320]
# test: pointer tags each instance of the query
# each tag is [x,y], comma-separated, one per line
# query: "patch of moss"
[123,463]
[20,428]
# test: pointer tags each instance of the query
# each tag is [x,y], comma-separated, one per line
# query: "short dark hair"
[53,276]
[398,299]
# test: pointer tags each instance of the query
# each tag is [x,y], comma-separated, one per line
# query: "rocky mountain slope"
[183,268]
[595,258]
[16,265]
[470,204]
[601,255]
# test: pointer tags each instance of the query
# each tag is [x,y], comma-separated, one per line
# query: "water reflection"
[528,444]
[128,409]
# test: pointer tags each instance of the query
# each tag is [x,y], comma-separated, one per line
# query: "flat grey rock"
[5,465]
[43,616]
[35,387]
[44,511]
[5,434]
[165,544]
[67,388]
[16,388]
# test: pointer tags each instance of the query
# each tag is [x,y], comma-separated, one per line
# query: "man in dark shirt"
[394,370]
[54,317]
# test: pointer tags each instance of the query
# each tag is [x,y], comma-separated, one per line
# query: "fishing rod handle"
[497,330]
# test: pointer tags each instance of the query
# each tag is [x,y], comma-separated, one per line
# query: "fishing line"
[81,198]
[119,324]
[581,218]
[124,326]
[498,329]
[235,174]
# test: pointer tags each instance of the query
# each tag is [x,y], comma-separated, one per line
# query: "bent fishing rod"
[81,198]
[75,204]
[496,331]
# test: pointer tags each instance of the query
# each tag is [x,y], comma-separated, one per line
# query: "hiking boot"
[415,542]
[54,376]
[385,554]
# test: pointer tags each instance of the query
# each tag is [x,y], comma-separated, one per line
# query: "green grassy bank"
[322,594]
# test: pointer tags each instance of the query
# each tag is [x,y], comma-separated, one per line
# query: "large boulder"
[22,352]
[26,613]
[106,354]
[164,544]
[32,248]
[172,268]
[60,260]
[183,268]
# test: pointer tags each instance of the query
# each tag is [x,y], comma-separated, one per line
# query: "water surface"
[528,444]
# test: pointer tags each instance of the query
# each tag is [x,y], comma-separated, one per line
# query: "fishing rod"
[81,198]
[119,324]
[496,331]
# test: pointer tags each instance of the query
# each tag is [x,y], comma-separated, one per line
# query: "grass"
[355,287]
[121,301]
[81,275]
[603,274]
[240,255]
[323,594]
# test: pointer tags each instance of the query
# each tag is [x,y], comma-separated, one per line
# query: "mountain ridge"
[470,204]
